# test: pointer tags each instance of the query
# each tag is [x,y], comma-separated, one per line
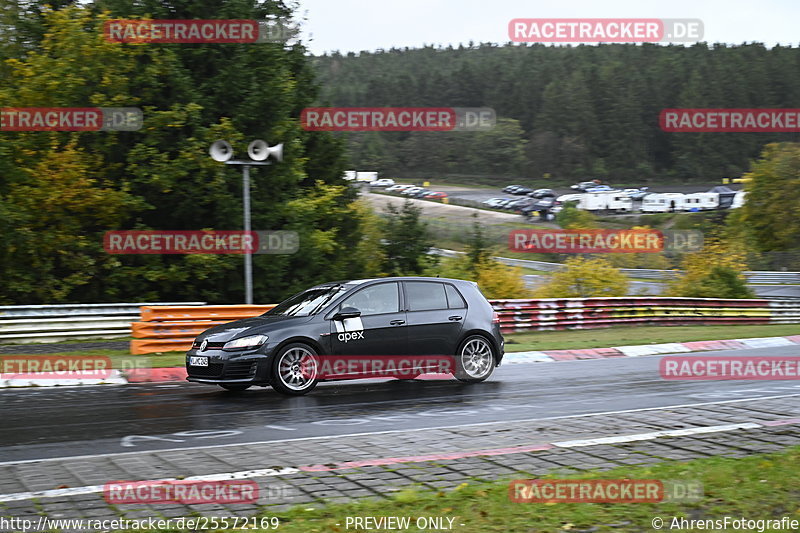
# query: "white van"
[738,199]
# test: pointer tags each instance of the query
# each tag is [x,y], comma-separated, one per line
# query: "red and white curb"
[546,356]
[448,456]
[160,375]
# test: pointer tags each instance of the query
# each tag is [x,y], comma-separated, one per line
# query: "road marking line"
[655,434]
[390,431]
[95,489]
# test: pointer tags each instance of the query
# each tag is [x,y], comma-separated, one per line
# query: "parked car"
[495,202]
[542,193]
[511,188]
[600,188]
[582,186]
[420,193]
[522,190]
[543,206]
[397,188]
[370,320]
[637,194]
[436,195]
[517,204]
[411,191]
[383,182]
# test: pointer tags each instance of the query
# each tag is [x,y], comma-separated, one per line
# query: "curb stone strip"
[269,472]
[158,375]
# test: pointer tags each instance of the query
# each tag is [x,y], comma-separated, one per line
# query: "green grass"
[756,487]
[621,336]
[120,358]
[520,342]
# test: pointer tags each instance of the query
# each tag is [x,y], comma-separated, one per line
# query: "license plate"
[198,361]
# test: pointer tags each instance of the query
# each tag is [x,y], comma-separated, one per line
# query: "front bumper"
[226,367]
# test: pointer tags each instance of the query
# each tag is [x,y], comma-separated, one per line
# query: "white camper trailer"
[366,176]
[605,201]
[700,201]
[738,199]
[666,202]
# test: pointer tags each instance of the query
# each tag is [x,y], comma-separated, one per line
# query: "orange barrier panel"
[145,346]
[169,330]
[201,312]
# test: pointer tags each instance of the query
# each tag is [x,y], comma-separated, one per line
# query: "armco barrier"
[758,277]
[21,324]
[168,328]
[173,328]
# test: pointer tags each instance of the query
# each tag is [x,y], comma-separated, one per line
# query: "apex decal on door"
[349,329]
[355,335]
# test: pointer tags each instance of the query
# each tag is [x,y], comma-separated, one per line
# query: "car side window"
[425,295]
[454,298]
[375,300]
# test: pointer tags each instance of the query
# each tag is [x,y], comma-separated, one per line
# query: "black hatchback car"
[377,322]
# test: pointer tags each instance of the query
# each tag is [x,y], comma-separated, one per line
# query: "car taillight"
[495,318]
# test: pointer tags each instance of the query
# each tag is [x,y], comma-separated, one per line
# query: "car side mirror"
[347,312]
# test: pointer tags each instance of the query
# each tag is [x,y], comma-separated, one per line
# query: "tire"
[235,387]
[475,360]
[288,376]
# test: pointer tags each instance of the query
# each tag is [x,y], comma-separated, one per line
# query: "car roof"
[355,282]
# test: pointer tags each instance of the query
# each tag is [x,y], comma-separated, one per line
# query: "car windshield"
[306,303]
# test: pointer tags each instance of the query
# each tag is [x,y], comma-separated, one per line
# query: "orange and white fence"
[173,328]
[519,316]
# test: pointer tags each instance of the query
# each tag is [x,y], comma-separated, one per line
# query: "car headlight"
[252,341]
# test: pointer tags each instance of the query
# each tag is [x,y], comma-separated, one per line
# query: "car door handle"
[397,322]
[455,317]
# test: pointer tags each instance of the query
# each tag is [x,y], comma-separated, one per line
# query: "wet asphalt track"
[65,422]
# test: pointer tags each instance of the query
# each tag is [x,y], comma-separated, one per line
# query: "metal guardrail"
[23,324]
[752,276]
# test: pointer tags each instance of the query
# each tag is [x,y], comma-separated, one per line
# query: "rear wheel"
[475,360]
[294,369]
[235,387]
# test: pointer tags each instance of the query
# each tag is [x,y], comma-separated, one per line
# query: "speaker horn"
[258,150]
[221,151]
[276,152]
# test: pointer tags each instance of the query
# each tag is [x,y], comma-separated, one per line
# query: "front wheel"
[475,360]
[294,369]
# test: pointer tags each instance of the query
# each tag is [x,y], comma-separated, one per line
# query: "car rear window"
[425,295]
[454,298]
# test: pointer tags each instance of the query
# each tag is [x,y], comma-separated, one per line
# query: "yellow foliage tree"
[583,278]
[716,271]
